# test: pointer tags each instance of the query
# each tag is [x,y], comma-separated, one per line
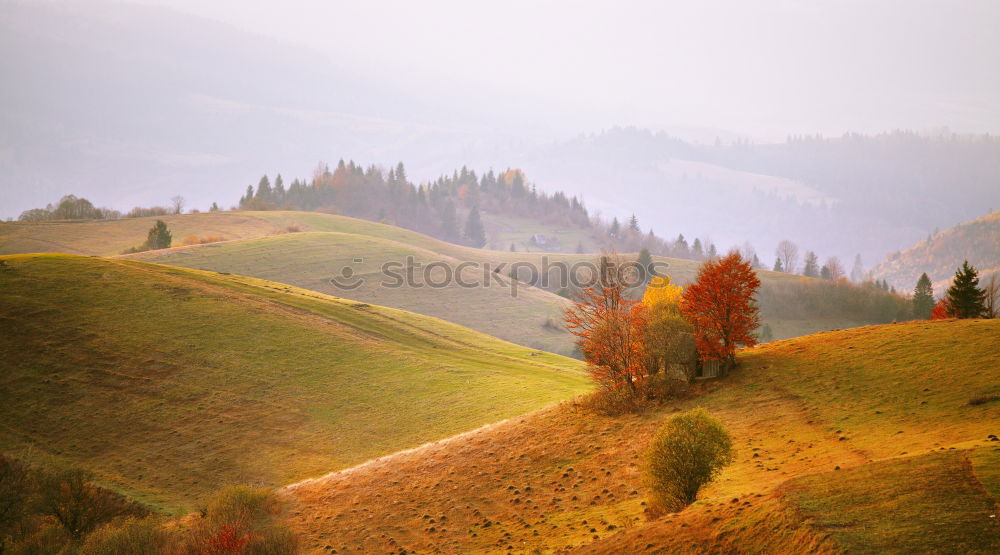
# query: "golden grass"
[812,416]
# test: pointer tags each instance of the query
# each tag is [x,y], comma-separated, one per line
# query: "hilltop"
[258,244]
[170,382]
[861,440]
[977,241]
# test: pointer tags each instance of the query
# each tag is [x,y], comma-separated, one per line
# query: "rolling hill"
[941,254]
[260,246]
[170,382]
[861,440]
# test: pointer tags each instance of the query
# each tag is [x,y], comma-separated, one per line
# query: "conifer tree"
[712,253]
[645,260]
[615,229]
[633,223]
[474,231]
[923,298]
[158,237]
[264,189]
[964,296]
[696,251]
[811,266]
[777,265]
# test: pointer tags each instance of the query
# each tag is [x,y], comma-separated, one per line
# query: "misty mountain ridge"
[149,103]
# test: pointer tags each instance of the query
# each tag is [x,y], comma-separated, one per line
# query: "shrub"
[145,536]
[242,519]
[294,228]
[190,240]
[686,453]
[72,499]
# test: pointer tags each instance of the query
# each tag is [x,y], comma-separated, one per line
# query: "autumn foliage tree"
[720,305]
[609,326]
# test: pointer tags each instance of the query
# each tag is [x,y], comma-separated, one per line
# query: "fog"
[131,103]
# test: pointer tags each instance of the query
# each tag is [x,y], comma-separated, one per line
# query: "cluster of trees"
[786,259]
[964,298]
[627,342]
[449,207]
[71,207]
[810,299]
[64,511]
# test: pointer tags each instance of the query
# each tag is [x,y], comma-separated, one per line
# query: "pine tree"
[614,229]
[964,296]
[279,188]
[645,260]
[858,270]
[825,272]
[264,189]
[712,253]
[158,237]
[696,251]
[449,220]
[633,223]
[811,267]
[756,262]
[474,231]
[923,298]
[214,207]
[681,247]
[777,265]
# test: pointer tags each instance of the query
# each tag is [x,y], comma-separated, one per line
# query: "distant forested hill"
[940,254]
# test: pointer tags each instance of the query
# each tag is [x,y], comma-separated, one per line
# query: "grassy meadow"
[861,440]
[170,382]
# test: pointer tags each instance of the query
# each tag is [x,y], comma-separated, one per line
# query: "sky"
[763,69]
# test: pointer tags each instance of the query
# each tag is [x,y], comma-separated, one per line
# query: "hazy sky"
[763,68]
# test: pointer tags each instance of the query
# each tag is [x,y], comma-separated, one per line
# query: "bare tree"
[788,253]
[992,298]
[835,268]
[178,204]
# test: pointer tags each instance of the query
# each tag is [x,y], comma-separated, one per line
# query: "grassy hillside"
[111,237]
[977,241]
[311,261]
[860,440]
[171,382]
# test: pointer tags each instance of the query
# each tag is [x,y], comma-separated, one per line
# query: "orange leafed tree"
[942,310]
[610,329]
[720,305]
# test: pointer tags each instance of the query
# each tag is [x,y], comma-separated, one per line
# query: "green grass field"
[311,259]
[170,382]
[258,246]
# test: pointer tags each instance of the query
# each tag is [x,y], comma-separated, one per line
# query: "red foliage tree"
[610,328]
[720,305]
[942,310]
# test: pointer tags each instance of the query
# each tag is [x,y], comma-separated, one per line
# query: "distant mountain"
[941,254]
[837,196]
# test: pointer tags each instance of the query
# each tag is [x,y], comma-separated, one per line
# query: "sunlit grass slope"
[526,315]
[111,237]
[171,382]
[522,321]
[861,440]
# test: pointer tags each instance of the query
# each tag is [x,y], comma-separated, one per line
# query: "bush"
[685,454]
[145,536]
[190,240]
[72,499]
[242,519]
